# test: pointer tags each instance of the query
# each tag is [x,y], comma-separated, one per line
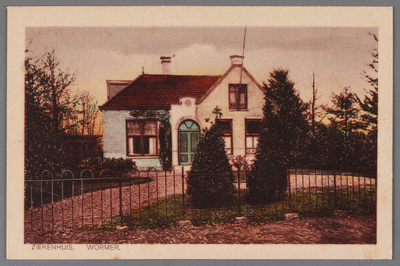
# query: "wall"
[114,139]
[219,97]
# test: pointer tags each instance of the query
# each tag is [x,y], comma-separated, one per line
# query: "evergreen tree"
[345,111]
[210,181]
[346,137]
[369,106]
[283,139]
[337,150]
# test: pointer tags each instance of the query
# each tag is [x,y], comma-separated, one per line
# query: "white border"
[21,17]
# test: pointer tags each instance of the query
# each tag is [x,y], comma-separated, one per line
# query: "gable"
[224,76]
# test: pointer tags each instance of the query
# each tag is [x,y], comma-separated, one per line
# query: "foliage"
[369,106]
[217,112]
[345,111]
[210,181]
[283,141]
[351,137]
[165,135]
[240,162]
[97,164]
[45,101]
[336,150]
[51,113]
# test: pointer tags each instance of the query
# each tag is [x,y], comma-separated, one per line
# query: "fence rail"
[140,199]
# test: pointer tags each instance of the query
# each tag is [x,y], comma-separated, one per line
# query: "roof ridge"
[183,75]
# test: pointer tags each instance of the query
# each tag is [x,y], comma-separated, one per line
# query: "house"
[188,102]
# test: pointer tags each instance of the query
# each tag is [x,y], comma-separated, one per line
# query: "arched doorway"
[189,134]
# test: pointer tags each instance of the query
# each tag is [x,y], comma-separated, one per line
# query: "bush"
[210,181]
[116,166]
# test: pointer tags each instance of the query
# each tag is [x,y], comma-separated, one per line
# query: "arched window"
[189,134]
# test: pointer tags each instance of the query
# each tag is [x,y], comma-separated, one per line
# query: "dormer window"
[237,96]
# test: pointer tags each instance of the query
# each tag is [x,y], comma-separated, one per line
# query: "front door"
[189,133]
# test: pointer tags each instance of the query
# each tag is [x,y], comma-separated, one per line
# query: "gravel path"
[311,181]
[349,230]
[100,206]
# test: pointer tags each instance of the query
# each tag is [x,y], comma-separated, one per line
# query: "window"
[253,129]
[238,96]
[141,137]
[226,129]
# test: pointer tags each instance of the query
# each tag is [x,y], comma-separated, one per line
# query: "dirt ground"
[328,230]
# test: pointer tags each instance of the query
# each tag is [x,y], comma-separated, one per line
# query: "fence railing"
[155,198]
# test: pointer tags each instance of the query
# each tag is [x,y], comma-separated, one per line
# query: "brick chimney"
[166,65]
[237,60]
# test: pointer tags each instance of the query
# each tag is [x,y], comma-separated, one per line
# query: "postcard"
[199,132]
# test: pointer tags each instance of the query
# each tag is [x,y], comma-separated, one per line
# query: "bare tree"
[89,113]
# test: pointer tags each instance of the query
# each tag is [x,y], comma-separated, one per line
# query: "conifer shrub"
[210,181]
[283,140]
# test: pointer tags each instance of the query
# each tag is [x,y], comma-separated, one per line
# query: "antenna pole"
[244,40]
[244,45]
[313,105]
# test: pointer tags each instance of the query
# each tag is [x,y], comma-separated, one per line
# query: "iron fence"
[157,199]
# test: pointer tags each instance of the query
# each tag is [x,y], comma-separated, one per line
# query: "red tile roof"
[159,91]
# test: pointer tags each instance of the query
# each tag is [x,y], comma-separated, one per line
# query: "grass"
[167,212]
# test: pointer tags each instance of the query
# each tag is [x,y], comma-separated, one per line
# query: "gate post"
[183,191]
[289,192]
[240,200]
[334,188]
[120,199]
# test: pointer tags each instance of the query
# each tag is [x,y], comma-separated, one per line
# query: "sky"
[337,56]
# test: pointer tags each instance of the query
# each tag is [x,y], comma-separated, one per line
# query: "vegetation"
[116,166]
[46,101]
[210,180]
[51,113]
[369,106]
[283,139]
[309,203]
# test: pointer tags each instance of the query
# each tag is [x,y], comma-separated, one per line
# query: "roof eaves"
[215,84]
[124,108]
[253,79]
